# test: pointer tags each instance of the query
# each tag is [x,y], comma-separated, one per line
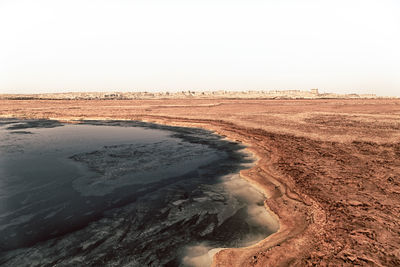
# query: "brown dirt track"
[330,169]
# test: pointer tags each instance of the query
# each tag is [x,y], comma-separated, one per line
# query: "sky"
[342,46]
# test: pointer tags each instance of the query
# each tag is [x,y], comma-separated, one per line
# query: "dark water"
[122,193]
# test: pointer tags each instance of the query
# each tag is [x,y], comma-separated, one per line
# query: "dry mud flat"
[330,169]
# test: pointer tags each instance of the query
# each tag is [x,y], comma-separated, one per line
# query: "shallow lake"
[122,193]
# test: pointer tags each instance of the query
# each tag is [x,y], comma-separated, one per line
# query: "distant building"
[315,91]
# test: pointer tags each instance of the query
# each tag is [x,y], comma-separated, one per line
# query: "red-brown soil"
[330,169]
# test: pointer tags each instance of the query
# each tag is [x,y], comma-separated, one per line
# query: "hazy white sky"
[127,45]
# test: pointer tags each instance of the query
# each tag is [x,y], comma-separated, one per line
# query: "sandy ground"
[330,169]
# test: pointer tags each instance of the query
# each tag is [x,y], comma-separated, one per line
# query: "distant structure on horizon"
[274,94]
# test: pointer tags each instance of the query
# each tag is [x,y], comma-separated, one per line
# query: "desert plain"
[330,168]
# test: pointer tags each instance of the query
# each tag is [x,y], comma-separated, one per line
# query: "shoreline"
[246,256]
[247,179]
[226,256]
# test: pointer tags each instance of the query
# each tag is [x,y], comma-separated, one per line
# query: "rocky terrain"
[330,168]
[275,94]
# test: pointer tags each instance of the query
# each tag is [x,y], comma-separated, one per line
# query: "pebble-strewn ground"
[331,169]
